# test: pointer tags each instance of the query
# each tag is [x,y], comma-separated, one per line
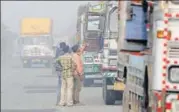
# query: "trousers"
[67,91]
[58,89]
[77,88]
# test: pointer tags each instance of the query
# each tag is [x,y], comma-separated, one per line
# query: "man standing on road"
[78,75]
[67,81]
[59,52]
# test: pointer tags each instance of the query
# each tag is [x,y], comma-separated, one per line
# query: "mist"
[62,13]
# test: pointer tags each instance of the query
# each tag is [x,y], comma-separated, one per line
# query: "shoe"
[61,105]
[76,102]
[79,104]
[70,105]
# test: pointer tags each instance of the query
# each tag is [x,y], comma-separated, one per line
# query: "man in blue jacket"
[59,52]
[60,48]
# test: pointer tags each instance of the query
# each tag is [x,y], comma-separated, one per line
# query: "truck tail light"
[160,34]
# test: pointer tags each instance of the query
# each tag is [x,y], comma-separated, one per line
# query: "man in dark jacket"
[60,49]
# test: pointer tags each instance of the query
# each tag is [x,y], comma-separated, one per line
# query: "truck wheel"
[119,95]
[109,95]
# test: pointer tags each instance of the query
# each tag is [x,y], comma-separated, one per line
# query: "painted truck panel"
[36,26]
[94,45]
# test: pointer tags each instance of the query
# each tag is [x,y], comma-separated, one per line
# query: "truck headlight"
[174,74]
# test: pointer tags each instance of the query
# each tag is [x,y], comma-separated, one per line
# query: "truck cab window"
[93,25]
[129,12]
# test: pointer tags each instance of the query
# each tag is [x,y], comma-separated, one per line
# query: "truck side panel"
[135,29]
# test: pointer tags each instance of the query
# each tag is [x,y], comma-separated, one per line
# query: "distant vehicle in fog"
[36,42]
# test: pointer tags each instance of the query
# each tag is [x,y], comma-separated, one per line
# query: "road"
[34,90]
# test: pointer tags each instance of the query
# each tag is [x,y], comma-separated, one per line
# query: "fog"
[62,13]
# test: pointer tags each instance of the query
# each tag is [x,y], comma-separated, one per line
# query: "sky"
[63,14]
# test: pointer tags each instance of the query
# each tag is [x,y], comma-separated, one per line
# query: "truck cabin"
[165,28]
[94,27]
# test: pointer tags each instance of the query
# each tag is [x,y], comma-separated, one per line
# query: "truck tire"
[109,95]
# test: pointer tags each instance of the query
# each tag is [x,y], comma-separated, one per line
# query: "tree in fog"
[7,42]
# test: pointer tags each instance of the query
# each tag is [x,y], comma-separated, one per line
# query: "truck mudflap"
[92,79]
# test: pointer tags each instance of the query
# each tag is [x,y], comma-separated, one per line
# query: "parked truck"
[113,86]
[148,55]
[90,26]
[36,42]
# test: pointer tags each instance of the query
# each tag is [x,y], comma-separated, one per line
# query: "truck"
[90,26]
[148,55]
[112,86]
[36,42]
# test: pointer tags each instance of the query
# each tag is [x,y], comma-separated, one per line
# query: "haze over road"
[34,90]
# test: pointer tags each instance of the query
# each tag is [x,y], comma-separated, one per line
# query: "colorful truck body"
[148,55]
[89,30]
[112,86]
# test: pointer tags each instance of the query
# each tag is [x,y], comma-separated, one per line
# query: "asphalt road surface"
[34,90]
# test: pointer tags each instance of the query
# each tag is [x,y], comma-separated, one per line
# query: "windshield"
[35,41]
[93,23]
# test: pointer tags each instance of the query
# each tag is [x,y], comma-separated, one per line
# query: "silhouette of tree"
[7,42]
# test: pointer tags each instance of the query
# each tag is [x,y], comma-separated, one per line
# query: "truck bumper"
[37,61]
[92,79]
